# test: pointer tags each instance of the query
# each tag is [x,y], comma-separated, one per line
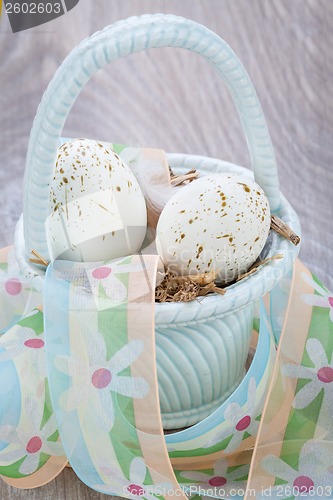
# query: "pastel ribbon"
[101,393]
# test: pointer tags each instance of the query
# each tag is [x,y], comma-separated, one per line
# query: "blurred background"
[172,99]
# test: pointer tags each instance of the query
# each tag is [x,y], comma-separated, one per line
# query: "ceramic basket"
[201,347]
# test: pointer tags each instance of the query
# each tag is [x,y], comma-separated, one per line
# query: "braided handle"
[126,37]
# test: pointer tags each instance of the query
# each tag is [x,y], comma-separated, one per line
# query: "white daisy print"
[22,340]
[134,488]
[108,277]
[17,295]
[304,479]
[320,376]
[28,441]
[101,377]
[324,299]
[241,419]
[219,480]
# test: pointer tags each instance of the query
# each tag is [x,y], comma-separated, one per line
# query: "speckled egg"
[97,208]
[220,222]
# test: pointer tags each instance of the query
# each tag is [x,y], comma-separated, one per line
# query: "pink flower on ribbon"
[17,294]
[320,376]
[241,420]
[28,441]
[21,340]
[307,478]
[10,280]
[100,376]
[324,299]
[220,480]
[134,487]
[108,276]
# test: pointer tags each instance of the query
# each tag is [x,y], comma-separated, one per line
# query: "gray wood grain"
[172,99]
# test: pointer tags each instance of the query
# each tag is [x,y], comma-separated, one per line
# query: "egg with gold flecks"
[219,222]
[97,208]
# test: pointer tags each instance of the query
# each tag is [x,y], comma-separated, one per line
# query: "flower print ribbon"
[30,452]
[18,297]
[102,383]
[293,454]
[98,406]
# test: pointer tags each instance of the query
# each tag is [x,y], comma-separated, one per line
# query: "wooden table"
[172,99]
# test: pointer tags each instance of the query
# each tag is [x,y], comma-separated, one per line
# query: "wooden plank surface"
[172,99]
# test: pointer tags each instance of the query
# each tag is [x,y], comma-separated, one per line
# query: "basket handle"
[126,37]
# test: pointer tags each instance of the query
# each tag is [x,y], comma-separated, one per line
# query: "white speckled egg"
[97,209]
[220,222]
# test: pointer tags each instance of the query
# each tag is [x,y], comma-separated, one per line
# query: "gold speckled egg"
[97,208]
[219,222]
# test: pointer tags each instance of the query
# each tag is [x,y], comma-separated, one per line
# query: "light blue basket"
[201,347]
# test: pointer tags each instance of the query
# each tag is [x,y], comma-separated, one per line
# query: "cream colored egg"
[220,222]
[97,209]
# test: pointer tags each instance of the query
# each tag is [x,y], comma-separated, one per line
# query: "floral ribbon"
[78,383]
[30,452]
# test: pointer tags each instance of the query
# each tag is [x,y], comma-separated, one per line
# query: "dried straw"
[176,288]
